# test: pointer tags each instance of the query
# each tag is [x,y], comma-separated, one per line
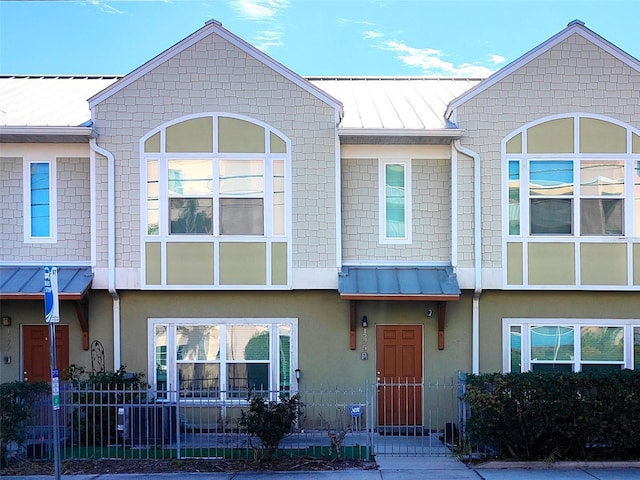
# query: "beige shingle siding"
[431,194]
[215,76]
[573,77]
[73,212]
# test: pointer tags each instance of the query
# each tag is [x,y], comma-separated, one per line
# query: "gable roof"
[215,27]
[576,27]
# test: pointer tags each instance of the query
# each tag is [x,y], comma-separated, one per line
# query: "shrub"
[16,399]
[96,397]
[270,421]
[550,415]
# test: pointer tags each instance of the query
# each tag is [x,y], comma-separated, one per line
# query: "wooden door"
[399,369]
[36,353]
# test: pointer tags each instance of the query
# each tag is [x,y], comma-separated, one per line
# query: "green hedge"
[554,416]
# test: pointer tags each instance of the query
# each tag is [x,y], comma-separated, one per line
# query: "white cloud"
[266,39]
[346,21]
[431,61]
[259,10]
[105,7]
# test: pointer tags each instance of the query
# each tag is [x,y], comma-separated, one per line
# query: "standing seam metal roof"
[415,103]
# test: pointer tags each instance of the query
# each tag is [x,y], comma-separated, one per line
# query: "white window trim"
[171,370]
[269,238]
[382,203]
[527,323]
[53,207]
[525,238]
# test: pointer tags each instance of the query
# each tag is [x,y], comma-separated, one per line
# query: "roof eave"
[400,132]
[400,297]
[24,134]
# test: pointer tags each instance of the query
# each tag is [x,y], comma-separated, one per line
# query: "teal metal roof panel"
[22,282]
[438,282]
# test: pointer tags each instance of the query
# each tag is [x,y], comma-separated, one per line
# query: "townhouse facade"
[220,223]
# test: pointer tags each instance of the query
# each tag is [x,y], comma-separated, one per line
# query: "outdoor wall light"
[297,370]
[6,321]
[365,322]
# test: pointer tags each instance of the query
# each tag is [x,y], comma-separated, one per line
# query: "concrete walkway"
[410,468]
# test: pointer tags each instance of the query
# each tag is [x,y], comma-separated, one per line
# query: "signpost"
[52,317]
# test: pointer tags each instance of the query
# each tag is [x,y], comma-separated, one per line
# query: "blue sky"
[312,37]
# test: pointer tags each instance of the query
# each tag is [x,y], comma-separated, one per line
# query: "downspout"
[338,118]
[477,255]
[111,247]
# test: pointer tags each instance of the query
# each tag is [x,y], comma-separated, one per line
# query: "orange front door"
[399,369]
[37,352]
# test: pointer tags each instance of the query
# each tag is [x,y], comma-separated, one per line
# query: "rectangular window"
[514,197]
[153,198]
[551,193]
[395,202]
[636,196]
[586,345]
[39,210]
[601,197]
[222,358]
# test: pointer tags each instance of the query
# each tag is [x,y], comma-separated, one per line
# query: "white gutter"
[338,195]
[400,132]
[58,131]
[477,255]
[111,247]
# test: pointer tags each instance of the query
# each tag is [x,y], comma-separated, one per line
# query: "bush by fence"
[556,416]
[16,400]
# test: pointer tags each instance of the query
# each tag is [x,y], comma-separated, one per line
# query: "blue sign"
[355,410]
[51,308]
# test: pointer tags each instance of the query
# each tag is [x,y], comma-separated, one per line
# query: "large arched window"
[216,189]
[571,185]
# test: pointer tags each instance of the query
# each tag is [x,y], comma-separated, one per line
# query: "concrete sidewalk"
[410,468]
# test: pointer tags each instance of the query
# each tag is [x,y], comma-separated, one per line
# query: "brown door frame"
[420,406]
[62,348]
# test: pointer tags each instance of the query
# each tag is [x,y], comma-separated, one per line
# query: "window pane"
[247,342]
[190,177]
[278,197]
[552,343]
[515,342]
[395,201]
[199,379]
[636,196]
[243,377]
[191,215]
[602,343]
[40,200]
[161,356]
[551,177]
[551,216]
[636,348]
[552,368]
[153,193]
[241,178]
[198,342]
[601,216]
[602,178]
[242,216]
[284,349]
[514,197]
[595,368]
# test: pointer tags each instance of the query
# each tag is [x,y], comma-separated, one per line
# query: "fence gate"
[433,430]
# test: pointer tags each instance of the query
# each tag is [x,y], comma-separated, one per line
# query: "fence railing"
[108,422]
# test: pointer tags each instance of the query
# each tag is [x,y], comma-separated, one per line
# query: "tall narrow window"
[395,203]
[514,197]
[39,213]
